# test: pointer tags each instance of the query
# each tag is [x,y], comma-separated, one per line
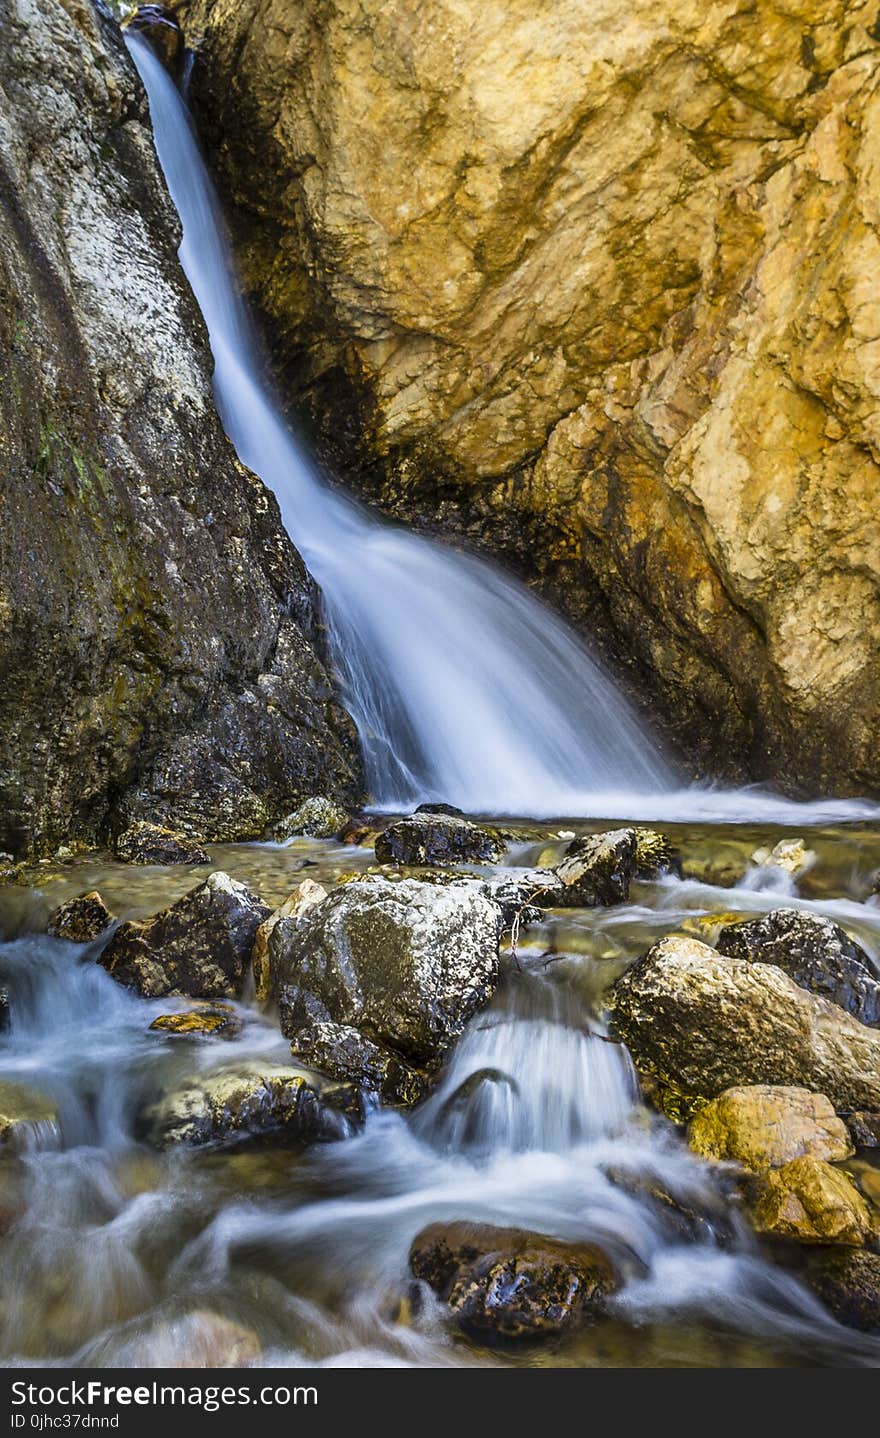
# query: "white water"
[463,685]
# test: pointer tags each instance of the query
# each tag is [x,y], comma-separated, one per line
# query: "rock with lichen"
[763,1126]
[81,920]
[243,1100]
[811,1201]
[438,838]
[145,843]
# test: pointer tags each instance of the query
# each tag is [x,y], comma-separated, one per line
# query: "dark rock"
[4,1009]
[699,1023]
[406,963]
[864,1129]
[503,1283]
[686,1215]
[81,920]
[818,954]
[847,1281]
[144,843]
[160,638]
[434,838]
[248,1100]
[343,1053]
[597,870]
[434,808]
[200,947]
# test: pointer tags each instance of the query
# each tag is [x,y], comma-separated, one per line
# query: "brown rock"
[81,920]
[764,1127]
[220,1019]
[144,843]
[812,1202]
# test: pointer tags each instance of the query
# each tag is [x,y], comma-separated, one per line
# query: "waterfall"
[463,685]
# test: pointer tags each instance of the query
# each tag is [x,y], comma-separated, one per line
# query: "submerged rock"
[818,954]
[199,947]
[436,837]
[790,856]
[81,920]
[504,1283]
[344,1053]
[248,1099]
[406,963]
[812,1202]
[220,1019]
[847,1281]
[25,1113]
[598,869]
[316,818]
[763,1127]
[699,1022]
[144,843]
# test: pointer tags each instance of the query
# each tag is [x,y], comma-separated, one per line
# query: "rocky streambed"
[434,1091]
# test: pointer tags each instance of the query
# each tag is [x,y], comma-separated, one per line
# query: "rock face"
[405,963]
[501,1283]
[436,838]
[250,1099]
[818,954]
[199,947]
[700,1023]
[764,1127]
[548,262]
[156,627]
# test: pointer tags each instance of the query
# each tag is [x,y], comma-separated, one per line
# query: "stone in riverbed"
[316,818]
[847,1281]
[24,1113]
[343,1053]
[504,1283]
[812,1202]
[438,838]
[818,954]
[199,947]
[304,895]
[406,963]
[143,843]
[864,1129]
[791,856]
[248,1099]
[81,920]
[597,870]
[699,1023]
[200,1339]
[220,1019]
[764,1126]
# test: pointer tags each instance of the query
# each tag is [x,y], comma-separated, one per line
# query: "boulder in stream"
[436,837]
[811,1201]
[316,818]
[699,1022]
[847,1280]
[219,1020]
[199,947]
[598,869]
[406,963]
[144,843]
[817,953]
[763,1126]
[81,920]
[245,1100]
[344,1053]
[504,1283]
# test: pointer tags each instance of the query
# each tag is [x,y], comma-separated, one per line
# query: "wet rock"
[248,1099]
[343,1053]
[764,1127]
[699,1022]
[199,947]
[597,870]
[304,895]
[206,1022]
[503,1283]
[722,872]
[24,1113]
[707,927]
[81,920]
[522,897]
[10,872]
[818,954]
[4,1009]
[144,843]
[791,856]
[688,1214]
[200,1339]
[655,855]
[864,1129]
[812,1202]
[316,818]
[407,963]
[438,808]
[847,1281]
[158,26]
[438,838]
